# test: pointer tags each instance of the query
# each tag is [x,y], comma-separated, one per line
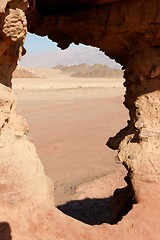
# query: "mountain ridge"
[71,56]
[90,71]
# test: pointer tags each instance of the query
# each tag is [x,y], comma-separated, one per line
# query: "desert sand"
[70,119]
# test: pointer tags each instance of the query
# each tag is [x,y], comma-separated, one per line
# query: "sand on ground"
[70,120]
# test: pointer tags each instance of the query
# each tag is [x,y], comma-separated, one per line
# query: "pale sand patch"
[56,80]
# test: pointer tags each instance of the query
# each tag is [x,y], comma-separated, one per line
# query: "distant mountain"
[73,69]
[87,71]
[71,56]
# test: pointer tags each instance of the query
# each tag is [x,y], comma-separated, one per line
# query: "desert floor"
[70,120]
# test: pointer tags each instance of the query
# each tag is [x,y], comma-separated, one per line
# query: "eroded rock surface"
[127,31]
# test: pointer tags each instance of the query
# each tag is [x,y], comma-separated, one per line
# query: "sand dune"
[22,72]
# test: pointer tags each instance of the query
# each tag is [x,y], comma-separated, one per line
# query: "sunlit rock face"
[127,31]
[22,179]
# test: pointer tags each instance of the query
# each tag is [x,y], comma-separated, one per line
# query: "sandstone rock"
[127,31]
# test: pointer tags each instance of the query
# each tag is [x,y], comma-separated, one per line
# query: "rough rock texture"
[129,32]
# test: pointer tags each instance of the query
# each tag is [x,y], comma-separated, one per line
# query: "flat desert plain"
[70,120]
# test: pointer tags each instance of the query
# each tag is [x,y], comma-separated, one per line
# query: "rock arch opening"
[70,128]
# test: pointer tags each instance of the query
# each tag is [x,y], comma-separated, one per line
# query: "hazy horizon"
[43,53]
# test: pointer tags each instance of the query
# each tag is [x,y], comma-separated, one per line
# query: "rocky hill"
[87,71]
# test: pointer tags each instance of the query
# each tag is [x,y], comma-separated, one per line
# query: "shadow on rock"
[5,231]
[90,211]
[101,210]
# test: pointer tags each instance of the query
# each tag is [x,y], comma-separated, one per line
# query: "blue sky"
[35,44]
[42,52]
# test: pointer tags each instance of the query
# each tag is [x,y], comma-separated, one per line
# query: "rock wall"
[127,31]
[22,178]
